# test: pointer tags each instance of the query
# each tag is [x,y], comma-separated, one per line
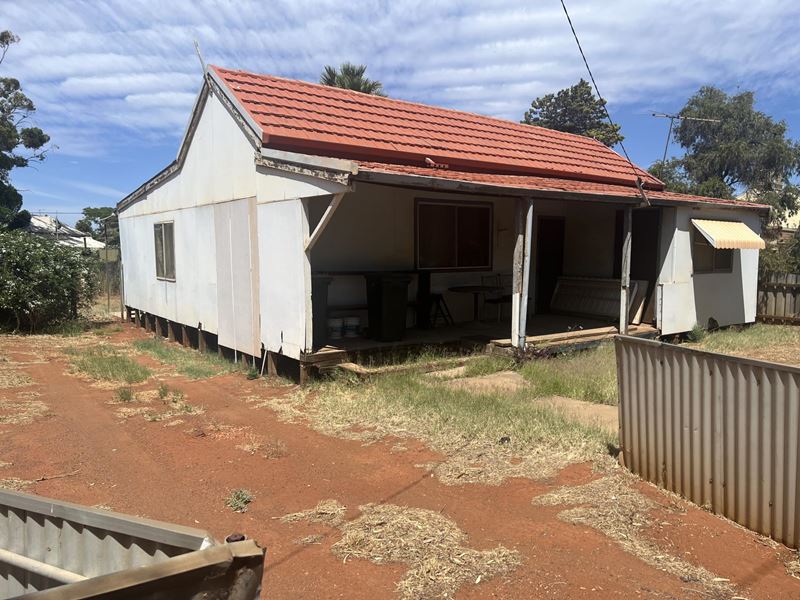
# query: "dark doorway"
[644,245]
[549,260]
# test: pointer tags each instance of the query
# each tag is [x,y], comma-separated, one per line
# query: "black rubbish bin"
[387,302]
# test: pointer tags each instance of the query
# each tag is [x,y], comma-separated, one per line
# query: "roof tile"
[351,124]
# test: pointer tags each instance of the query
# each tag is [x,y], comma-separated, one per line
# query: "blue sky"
[114,81]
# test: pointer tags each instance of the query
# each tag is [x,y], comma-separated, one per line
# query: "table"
[476,291]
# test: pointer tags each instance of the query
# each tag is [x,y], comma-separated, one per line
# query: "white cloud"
[100,72]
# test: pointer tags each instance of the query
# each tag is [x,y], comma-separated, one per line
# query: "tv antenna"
[672,119]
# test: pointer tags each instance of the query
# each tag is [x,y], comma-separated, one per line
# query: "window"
[707,259]
[453,236]
[165,250]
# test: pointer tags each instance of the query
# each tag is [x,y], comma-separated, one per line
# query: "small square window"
[707,259]
[164,234]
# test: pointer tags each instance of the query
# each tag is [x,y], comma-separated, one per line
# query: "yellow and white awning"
[728,234]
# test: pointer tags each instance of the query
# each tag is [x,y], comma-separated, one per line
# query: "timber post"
[625,272]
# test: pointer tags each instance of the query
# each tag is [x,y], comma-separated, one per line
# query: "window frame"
[418,202]
[165,276]
[698,239]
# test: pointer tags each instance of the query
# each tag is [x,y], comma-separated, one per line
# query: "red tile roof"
[317,119]
[548,184]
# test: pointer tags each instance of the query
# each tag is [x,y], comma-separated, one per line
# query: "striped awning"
[728,234]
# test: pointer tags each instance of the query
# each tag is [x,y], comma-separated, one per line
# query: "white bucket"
[352,325]
[335,327]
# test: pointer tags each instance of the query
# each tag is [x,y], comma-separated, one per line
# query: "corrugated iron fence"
[779,298]
[719,430]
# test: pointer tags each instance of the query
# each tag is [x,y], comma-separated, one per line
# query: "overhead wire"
[639,183]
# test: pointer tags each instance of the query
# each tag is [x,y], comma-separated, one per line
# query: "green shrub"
[239,500]
[43,283]
[125,394]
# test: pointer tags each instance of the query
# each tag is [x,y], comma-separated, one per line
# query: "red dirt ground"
[174,473]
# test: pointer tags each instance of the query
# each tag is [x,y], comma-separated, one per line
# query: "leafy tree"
[19,145]
[43,283]
[351,77]
[747,150]
[94,222]
[574,110]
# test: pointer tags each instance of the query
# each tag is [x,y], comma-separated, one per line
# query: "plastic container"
[335,328]
[352,326]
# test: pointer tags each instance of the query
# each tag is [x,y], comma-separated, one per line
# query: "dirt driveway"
[84,445]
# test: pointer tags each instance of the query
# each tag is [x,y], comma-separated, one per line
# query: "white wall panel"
[237,275]
[191,298]
[283,296]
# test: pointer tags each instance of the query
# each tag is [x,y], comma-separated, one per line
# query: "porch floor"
[543,331]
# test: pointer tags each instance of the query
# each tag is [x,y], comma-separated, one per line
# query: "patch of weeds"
[124,394]
[108,330]
[107,364]
[176,406]
[71,328]
[430,544]
[488,364]
[697,334]
[589,375]
[465,426]
[252,374]
[614,507]
[239,500]
[163,390]
[187,362]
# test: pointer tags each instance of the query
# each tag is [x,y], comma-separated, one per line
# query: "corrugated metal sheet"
[729,234]
[719,430]
[80,540]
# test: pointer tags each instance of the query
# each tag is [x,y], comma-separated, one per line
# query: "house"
[292,205]
[63,234]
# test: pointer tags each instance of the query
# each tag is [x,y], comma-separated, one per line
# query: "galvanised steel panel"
[721,431]
[85,542]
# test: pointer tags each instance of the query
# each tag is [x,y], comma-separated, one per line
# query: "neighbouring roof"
[299,115]
[61,233]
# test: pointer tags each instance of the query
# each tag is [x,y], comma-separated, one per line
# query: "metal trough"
[51,549]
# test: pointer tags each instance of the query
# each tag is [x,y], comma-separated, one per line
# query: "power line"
[672,119]
[605,108]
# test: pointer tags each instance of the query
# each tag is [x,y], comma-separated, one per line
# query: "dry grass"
[11,377]
[309,540]
[430,544]
[15,484]
[612,506]
[465,426]
[21,410]
[329,512]
[268,448]
[776,343]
